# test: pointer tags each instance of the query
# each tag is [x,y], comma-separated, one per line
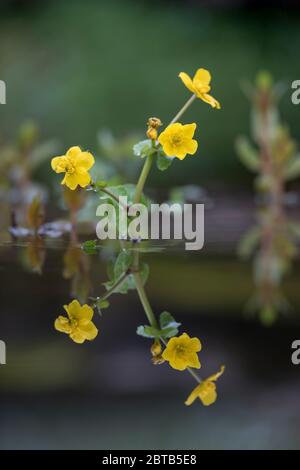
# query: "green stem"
[109,193]
[144,300]
[113,196]
[142,179]
[183,109]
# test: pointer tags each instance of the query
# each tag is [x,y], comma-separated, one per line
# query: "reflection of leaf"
[292,169]
[294,228]
[149,249]
[247,154]
[122,263]
[35,213]
[249,242]
[268,315]
[120,267]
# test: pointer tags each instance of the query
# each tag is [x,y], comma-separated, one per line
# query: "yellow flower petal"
[195,344]
[85,160]
[58,164]
[192,147]
[202,77]
[73,152]
[70,180]
[72,309]
[62,324]
[206,391]
[214,377]
[75,164]
[194,361]
[77,336]
[83,179]
[176,140]
[86,312]
[210,100]
[88,330]
[181,352]
[187,81]
[189,130]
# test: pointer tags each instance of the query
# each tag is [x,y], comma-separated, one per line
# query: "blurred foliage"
[126,56]
[273,242]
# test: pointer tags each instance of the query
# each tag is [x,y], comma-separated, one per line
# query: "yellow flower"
[200,86]
[181,352]
[75,164]
[78,325]
[177,140]
[206,390]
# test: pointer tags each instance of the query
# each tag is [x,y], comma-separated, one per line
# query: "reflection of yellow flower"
[78,325]
[35,254]
[75,164]
[72,261]
[181,352]
[177,140]
[206,390]
[200,86]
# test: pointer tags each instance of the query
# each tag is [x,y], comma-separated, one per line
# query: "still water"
[106,393]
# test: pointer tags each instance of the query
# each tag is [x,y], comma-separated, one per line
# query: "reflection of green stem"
[114,287]
[144,300]
[142,179]
[183,109]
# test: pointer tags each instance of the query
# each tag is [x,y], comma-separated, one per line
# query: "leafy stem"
[108,192]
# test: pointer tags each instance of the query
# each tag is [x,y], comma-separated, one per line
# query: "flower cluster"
[128,273]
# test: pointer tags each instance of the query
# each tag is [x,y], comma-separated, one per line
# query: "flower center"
[176,139]
[74,323]
[180,350]
[66,166]
[202,88]
[69,167]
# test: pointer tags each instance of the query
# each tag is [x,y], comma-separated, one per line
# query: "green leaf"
[143,148]
[90,247]
[168,332]
[148,331]
[127,190]
[163,162]
[103,303]
[101,184]
[167,320]
[122,263]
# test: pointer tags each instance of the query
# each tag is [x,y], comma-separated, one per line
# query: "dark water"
[106,393]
